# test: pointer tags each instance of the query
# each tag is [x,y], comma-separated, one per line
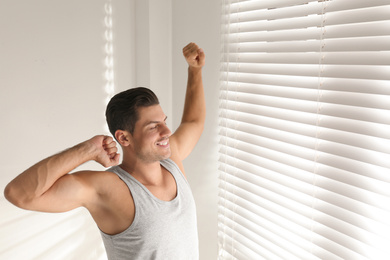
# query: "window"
[305,130]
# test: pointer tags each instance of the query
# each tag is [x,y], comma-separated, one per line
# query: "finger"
[191,56]
[115,159]
[111,150]
[188,46]
[192,51]
[107,139]
[109,145]
[112,156]
[201,55]
[191,48]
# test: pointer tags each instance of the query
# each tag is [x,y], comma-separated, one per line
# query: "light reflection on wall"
[109,87]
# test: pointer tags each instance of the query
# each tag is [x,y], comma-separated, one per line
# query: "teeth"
[162,143]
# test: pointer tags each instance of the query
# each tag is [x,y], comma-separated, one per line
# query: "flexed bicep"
[68,192]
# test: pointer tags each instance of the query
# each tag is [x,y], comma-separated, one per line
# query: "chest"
[166,190]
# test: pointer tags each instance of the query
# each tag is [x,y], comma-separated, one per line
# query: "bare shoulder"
[101,182]
[94,177]
[112,207]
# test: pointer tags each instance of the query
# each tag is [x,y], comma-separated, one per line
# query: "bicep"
[68,192]
[185,138]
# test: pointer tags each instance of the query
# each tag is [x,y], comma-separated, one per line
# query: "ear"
[123,137]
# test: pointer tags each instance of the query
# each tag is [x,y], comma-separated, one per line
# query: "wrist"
[87,150]
[193,69]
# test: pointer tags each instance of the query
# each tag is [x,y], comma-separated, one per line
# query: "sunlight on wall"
[109,87]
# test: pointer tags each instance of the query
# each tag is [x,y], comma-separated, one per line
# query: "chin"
[160,157]
[168,155]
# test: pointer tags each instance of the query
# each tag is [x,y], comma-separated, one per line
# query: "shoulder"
[101,188]
[91,177]
[98,182]
[111,206]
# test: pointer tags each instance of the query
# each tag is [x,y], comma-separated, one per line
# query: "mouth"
[163,143]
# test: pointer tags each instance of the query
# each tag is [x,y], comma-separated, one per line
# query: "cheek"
[150,137]
[147,139]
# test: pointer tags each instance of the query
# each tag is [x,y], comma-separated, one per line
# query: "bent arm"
[48,181]
[194,113]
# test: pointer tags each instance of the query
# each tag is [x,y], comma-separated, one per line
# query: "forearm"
[195,104]
[39,178]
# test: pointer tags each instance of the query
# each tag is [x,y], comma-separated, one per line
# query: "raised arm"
[47,186]
[194,113]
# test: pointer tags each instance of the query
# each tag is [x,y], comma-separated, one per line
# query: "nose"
[165,131]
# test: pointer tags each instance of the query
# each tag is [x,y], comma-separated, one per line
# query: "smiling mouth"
[163,143]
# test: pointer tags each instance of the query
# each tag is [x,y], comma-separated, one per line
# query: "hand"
[194,55]
[104,150]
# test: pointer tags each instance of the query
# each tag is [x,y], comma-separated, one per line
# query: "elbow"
[10,194]
[16,197]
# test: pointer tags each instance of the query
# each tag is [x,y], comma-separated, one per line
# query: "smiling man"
[143,207]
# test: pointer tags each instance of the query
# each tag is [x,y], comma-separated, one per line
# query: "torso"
[114,209]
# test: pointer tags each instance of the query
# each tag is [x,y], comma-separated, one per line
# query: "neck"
[146,173]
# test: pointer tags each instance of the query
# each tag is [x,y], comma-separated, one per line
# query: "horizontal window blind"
[305,130]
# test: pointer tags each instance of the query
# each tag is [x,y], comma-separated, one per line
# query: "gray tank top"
[161,229]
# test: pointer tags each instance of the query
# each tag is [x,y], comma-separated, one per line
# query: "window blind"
[305,130]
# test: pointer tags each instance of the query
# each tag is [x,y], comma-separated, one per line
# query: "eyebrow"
[155,122]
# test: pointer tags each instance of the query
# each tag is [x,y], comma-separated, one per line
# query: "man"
[143,207]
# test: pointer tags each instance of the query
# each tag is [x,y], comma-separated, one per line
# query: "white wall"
[52,83]
[153,50]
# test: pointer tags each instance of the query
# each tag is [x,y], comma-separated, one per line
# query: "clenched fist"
[194,55]
[104,150]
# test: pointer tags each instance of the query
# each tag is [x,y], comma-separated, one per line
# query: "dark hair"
[122,110]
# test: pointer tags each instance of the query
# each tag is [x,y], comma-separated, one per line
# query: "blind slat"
[340,58]
[243,6]
[236,79]
[380,43]
[311,70]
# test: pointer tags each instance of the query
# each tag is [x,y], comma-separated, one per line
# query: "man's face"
[151,135]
